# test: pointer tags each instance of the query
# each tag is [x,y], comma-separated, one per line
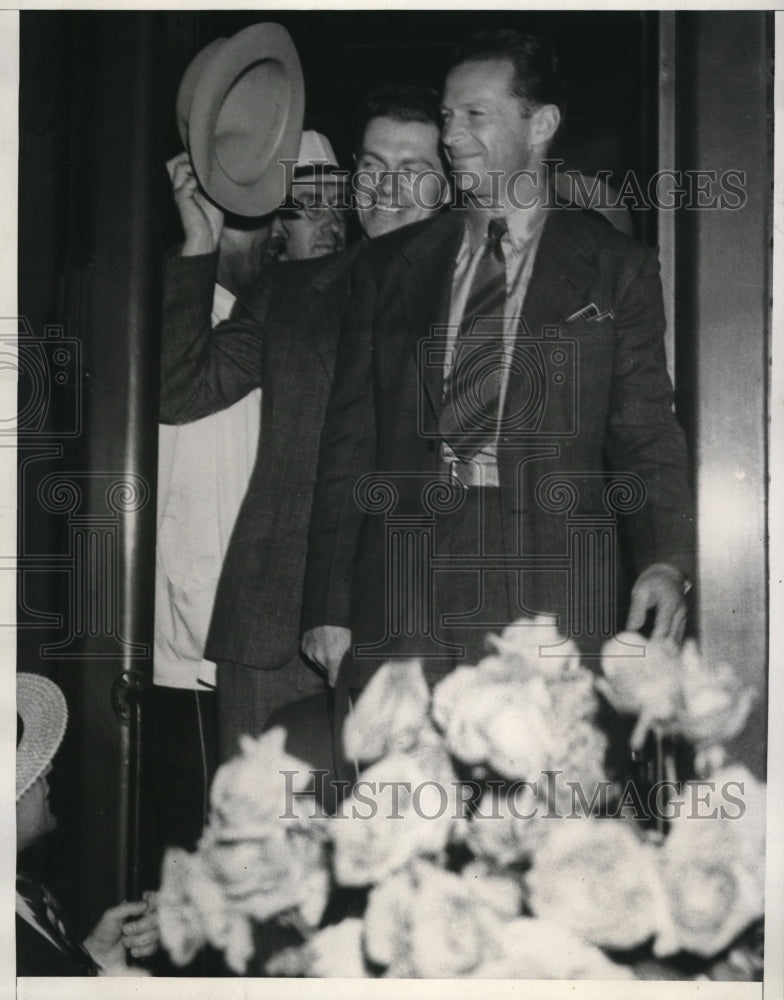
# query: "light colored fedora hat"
[42,715]
[240,109]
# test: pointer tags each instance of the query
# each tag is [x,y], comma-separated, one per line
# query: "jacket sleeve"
[643,436]
[203,370]
[347,452]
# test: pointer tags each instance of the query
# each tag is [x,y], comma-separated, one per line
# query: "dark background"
[345,54]
[609,60]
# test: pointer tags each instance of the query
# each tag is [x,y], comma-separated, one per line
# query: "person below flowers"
[46,943]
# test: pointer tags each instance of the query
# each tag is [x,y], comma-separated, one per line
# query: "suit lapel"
[426,290]
[564,268]
[325,327]
[331,288]
[563,272]
[313,295]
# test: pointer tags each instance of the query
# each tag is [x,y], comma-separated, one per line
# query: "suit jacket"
[284,340]
[603,390]
[37,956]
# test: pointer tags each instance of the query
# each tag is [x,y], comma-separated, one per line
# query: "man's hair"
[537,76]
[405,102]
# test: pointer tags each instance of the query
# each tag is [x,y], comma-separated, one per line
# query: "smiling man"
[495,362]
[399,177]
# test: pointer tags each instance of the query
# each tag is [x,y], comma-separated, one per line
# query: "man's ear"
[544,124]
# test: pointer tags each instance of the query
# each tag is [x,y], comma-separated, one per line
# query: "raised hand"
[202,222]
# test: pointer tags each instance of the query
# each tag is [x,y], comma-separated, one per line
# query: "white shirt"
[203,472]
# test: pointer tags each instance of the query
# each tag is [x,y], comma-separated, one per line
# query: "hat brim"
[237,158]
[188,83]
[44,712]
[319,175]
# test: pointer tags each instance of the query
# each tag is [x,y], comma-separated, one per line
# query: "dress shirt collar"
[523,226]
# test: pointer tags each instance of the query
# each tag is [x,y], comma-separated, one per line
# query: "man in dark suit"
[493,361]
[285,342]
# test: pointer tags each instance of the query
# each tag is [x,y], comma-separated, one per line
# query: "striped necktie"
[469,415]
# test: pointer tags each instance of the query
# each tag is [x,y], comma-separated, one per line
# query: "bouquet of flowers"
[483,836]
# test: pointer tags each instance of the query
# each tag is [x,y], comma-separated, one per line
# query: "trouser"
[185,755]
[444,620]
[462,606]
[247,696]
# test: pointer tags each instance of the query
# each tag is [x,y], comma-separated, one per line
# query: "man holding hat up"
[239,111]
[254,632]
[204,467]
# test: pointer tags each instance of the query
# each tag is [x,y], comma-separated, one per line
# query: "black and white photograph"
[390,453]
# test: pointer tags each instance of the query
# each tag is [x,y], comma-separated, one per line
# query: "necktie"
[47,913]
[469,413]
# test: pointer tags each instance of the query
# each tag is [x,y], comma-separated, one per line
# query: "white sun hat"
[42,715]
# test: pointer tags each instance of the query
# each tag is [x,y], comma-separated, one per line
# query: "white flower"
[193,909]
[332,953]
[235,941]
[533,646]
[524,727]
[573,696]
[542,949]
[506,827]
[182,928]
[505,724]
[387,921]
[713,863]
[502,893]
[525,710]
[520,737]
[402,806]
[389,714]
[674,691]
[281,869]
[453,702]
[259,856]
[715,701]
[258,786]
[452,931]
[641,677]
[429,923]
[262,845]
[499,669]
[597,878]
